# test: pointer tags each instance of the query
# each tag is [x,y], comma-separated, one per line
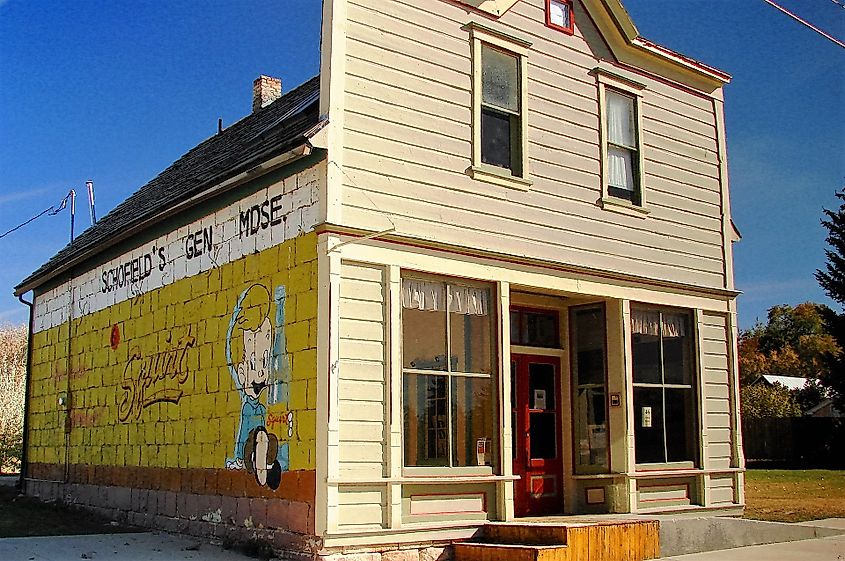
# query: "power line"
[806,23]
[839,3]
[52,211]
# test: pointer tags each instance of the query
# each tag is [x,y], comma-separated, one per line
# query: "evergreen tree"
[832,280]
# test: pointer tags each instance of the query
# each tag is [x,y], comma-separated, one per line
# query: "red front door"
[537,444]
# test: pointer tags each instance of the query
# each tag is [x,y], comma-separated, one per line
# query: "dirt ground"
[794,495]
[25,516]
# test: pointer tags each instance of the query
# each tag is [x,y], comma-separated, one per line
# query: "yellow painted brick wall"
[170,344]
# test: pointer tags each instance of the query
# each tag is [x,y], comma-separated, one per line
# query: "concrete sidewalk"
[829,548]
[823,549]
[146,546]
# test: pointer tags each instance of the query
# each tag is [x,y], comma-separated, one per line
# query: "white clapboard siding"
[721,490]
[360,508]
[361,381]
[717,389]
[408,145]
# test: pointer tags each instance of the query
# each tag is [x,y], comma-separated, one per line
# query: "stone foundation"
[236,520]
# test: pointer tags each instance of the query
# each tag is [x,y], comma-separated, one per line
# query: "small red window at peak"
[559,15]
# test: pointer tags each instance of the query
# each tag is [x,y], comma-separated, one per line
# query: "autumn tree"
[795,341]
[13,341]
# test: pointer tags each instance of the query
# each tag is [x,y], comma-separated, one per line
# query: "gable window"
[665,411]
[449,390]
[621,131]
[499,65]
[559,15]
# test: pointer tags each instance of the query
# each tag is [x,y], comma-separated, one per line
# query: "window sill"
[623,207]
[493,175]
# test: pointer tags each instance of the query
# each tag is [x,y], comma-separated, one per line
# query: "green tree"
[832,280]
[760,401]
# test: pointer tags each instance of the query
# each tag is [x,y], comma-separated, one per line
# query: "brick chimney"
[265,90]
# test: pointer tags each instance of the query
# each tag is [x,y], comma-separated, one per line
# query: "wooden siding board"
[408,117]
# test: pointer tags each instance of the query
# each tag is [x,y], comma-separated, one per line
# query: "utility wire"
[839,3]
[52,211]
[806,23]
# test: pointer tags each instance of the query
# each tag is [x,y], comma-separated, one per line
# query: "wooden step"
[510,552]
[603,541]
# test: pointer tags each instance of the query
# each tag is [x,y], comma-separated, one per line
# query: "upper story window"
[559,15]
[501,110]
[499,148]
[623,174]
[621,132]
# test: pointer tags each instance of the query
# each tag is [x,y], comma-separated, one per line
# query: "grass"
[794,495]
[25,516]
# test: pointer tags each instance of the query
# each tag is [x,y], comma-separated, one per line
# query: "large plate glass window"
[589,373]
[449,390]
[665,400]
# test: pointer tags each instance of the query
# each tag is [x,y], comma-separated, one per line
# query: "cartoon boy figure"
[251,356]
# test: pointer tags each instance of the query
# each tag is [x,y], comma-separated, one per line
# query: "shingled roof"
[264,134]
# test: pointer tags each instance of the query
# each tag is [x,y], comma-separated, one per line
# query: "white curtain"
[620,120]
[432,297]
[620,171]
[423,295]
[651,323]
[469,300]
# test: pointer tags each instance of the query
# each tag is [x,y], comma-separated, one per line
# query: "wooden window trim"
[511,44]
[607,80]
[568,30]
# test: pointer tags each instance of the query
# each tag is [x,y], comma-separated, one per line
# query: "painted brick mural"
[200,390]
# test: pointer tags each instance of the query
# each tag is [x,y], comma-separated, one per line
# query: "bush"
[761,401]
[13,340]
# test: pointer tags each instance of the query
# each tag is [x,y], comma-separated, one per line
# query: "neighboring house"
[825,408]
[792,383]
[479,269]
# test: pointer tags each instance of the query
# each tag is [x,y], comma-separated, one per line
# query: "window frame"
[694,386]
[495,379]
[568,30]
[607,81]
[509,44]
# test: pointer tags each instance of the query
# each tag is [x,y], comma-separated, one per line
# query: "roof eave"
[630,44]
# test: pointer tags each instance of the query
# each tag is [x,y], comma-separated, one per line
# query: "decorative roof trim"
[493,7]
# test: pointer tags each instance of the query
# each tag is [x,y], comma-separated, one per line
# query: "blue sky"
[115,91]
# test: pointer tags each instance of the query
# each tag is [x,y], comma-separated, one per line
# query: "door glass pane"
[426,424]
[543,435]
[424,339]
[648,425]
[471,348]
[646,359]
[473,421]
[499,79]
[680,424]
[541,386]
